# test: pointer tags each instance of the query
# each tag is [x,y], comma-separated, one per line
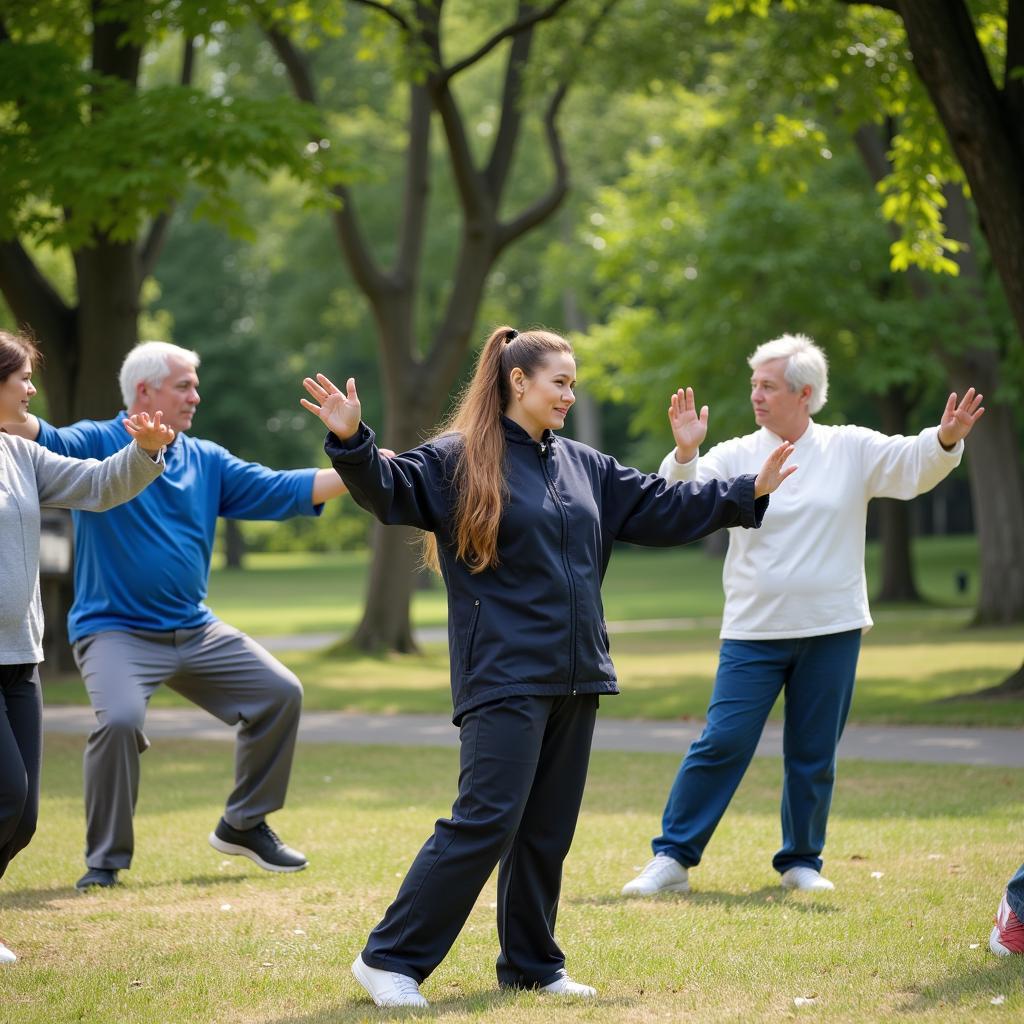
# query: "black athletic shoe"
[97,878]
[259,844]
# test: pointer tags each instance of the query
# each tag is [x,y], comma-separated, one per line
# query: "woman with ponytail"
[520,523]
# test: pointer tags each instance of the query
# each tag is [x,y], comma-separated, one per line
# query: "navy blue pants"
[523,766]
[21,747]
[816,674]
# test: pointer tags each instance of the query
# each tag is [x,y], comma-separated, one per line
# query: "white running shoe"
[806,879]
[6,955]
[660,874]
[563,985]
[386,988]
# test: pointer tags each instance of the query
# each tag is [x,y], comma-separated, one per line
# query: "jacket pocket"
[471,636]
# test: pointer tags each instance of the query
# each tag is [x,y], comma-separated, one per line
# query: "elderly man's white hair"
[805,364]
[149,361]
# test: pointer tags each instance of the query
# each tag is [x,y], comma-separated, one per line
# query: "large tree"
[423,348]
[95,152]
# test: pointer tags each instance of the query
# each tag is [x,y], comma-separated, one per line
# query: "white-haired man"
[138,619]
[795,602]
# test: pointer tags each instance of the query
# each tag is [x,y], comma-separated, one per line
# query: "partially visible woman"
[32,477]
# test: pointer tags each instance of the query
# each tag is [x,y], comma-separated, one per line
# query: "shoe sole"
[675,887]
[96,885]
[358,972]
[243,851]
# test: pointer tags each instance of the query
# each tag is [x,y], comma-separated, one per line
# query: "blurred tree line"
[363,188]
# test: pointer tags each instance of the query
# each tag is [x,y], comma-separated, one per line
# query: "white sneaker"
[565,986]
[660,874]
[386,988]
[6,956]
[806,879]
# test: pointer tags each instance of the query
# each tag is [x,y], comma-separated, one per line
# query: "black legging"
[21,745]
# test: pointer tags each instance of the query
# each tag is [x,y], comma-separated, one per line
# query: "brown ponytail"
[480,470]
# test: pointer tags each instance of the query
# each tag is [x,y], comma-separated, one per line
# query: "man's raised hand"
[339,410]
[150,434]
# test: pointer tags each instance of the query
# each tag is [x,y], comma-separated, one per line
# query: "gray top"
[32,476]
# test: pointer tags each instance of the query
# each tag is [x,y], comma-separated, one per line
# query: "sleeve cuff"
[953,453]
[352,451]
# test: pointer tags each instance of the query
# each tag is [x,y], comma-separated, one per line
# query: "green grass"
[914,658]
[195,937]
[313,593]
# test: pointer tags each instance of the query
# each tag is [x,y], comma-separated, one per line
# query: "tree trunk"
[994,463]
[985,126]
[386,624]
[997,492]
[108,327]
[234,544]
[894,516]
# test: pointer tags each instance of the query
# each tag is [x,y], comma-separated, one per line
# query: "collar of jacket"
[516,435]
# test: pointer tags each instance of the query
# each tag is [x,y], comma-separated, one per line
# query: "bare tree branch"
[546,205]
[417,187]
[500,162]
[520,25]
[468,181]
[153,244]
[388,11]
[368,275]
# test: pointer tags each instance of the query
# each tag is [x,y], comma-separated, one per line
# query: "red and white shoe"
[1007,937]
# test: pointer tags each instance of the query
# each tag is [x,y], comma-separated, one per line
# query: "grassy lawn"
[196,937]
[914,657]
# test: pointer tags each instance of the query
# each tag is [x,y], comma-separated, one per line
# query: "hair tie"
[511,336]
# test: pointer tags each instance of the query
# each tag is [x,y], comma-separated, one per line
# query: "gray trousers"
[215,666]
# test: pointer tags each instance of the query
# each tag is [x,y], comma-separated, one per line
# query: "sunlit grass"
[919,854]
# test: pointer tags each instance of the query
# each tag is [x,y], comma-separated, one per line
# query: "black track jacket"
[535,625]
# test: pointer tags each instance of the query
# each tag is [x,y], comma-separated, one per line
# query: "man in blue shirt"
[139,620]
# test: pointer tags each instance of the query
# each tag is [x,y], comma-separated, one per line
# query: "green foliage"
[82,153]
[851,65]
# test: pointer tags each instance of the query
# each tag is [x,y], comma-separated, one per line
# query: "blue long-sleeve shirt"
[145,565]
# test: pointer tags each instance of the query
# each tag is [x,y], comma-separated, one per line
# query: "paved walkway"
[873,743]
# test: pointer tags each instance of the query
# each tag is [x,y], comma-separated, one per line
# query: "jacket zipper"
[543,449]
[472,635]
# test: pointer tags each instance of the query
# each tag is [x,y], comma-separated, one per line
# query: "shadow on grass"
[483,1004]
[766,896]
[975,987]
[30,899]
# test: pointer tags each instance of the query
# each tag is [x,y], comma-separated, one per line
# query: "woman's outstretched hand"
[340,412]
[150,434]
[774,470]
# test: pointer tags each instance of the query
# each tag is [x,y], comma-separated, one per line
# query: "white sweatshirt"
[802,572]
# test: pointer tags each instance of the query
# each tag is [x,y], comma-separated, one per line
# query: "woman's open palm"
[339,410]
